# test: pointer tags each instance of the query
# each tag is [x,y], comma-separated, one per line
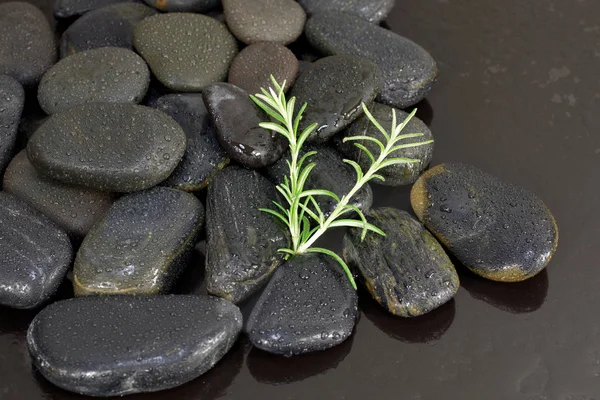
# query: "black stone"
[241,240]
[236,118]
[399,174]
[74,8]
[199,6]
[118,345]
[27,48]
[330,173]
[34,254]
[371,10]
[107,26]
[334,88]
[109,147]
[409,71]
[406,271]
[141,246]
[12,100]
[498,230]
[203,157]
[309,305]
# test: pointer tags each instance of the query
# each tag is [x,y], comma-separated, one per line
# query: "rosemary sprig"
[301,204]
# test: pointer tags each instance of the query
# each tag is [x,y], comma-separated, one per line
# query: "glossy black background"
[518,96]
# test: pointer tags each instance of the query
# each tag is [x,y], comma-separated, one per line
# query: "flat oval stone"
[109,147]
[199,6]
[409,71]
[74,209]
[74,8]
[118,345]
[141,245]
[371,10]
[280,21]
[27,47]
[334,87]
[330,173]
[34,254]
[12,100]
[395,175]
[309,305]
[107,74]
[498,230]
[203,158]
[110,26]
[237,118]
[252,68]
[185,51]
[406,271]
[241,240]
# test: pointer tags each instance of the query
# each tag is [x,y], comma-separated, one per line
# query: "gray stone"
[107,74]
[12,100]
[309,305]
[34,254]
[118,345]
[242,241]
[199,6]
[371,10]
[185,51]
[141,245]
[75,8]
[406,271]
[108,147]
[409,71]
[27,48]
[334,88]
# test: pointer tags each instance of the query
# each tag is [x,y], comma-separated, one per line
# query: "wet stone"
[498,230]
[34,254]
[409,71]
[74,8]
[399,174]
[309,305]
[237,118]
[74,209]
[203,158]
[119,345]
[12,100]
[406,271]
[108,147]
[110,26]
[280,21]
[141,245]
[334,88]
[330,173]
[242,241]
[185,51]
[107,74]
[252,67]
[27,47]
[199,6]
[371,10]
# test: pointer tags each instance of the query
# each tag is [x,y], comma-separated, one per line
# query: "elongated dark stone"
[74,8]
[373,11]
[12,100]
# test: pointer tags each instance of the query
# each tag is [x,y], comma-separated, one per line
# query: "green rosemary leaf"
[375,122]
[405,146]
[305,229]
[394,161]
[287,251]
[282,208]
[400,127]
[304,176]
[299,115]
[336,258]
[320,192]
[352,223]
[366,151]
[272,113]
[274,127]
[357,168]
[362,218]
[305,134]
[276,214]
[304,157]
[367,138]
[310,212]
[377,176]
[284,193]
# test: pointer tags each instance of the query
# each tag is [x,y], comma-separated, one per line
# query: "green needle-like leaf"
[276,214]
[375,122]
[366,138]
[338,259]
[357,168]
[366,151]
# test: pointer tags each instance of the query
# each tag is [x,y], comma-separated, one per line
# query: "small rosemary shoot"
[301,204]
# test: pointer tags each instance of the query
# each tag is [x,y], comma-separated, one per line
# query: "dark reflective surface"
[519,97]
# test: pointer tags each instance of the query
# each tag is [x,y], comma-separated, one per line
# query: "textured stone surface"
[109,147]
[185,51]
[74,209]
[406,271]
[12,100]
[112,346]
[142,244]
[498,230]
[237,118]
[74,8]
[399,174]
[280,21]
[309,305]
[27,47]
[184,5]
[107,26]
[370,10]
[409,71]
[203,157]
[34,254]
[334,87]
[242,241]
[107,74]
[252,68]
